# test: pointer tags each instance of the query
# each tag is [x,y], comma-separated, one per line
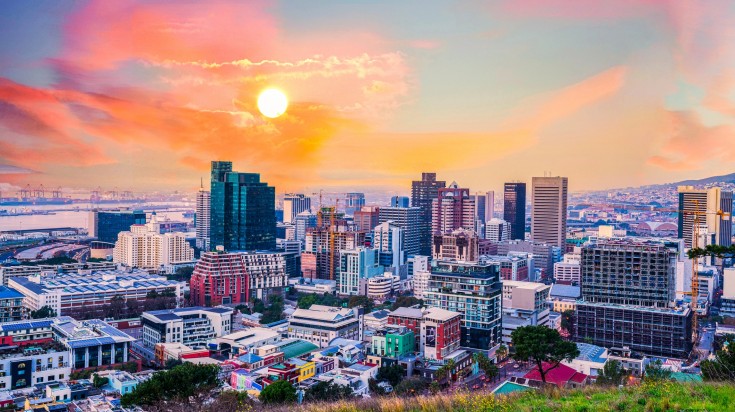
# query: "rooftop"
[440,314]
[87,333]
[404,312]
[166,315]
[565,291]
[591,353]
[324,313]
[292,348]
[9,293]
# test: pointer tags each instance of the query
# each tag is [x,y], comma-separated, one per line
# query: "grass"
[654,397]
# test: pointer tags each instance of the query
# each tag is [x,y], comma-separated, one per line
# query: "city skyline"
[142,95]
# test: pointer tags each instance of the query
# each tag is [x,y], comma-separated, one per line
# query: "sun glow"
[272,103]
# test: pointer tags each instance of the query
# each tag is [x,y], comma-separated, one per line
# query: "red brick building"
[219,278]
[440,332]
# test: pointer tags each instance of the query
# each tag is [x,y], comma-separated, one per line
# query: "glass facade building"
[514,209]
[106,225]
[242,210]
[475,291]
[423,193]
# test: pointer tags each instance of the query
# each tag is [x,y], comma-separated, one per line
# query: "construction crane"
[696,213]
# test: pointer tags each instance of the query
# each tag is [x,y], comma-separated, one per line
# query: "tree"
[328,391]
[656,373]
[446,371]
[274,311]
[612,373]
[502,352]
[406,301]
[243,309]
[305,301]
[540,345]
[44,312]
[722,367]
[485,365]
[258,306]
[180,382]
[99,381]
[278,392]
[172,363]
[231,401]
[361,300]
[182,273]
[393,374]
[411,386]
[568,321]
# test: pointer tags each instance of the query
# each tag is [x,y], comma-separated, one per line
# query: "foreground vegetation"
[652,396]
[660,396]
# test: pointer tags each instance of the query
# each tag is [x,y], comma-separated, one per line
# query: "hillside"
[665,396]
[714,179]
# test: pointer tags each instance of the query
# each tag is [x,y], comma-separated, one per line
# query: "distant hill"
[714,179]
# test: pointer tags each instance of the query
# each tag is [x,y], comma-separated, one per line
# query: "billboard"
[20,374]
[431,336]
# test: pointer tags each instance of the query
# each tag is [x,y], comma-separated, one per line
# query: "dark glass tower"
[242,206]
[423,192]
[514,209]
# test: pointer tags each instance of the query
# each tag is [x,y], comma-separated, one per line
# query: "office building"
[356,267]
[512,267]
[143,247]
[381,287]
[293,204]
[474,290]
[400,201]
[388,239]
[514,209]
[489,206]
[452,209]
[192,326]
[629,272]
[569,271]
[441,333]
[497,230]
[22,367]
[203,207]
[409,220]
[706,203]
[320,324]
[549,210]
[423,193]
[480,200]
[219,278]
[524,304]
[459,245]
[92,343]
[105,225]
[302,222]
[366,218]
[650,331]
[242,210]
[267,273]
[11,305]
[628,292]
[69,293]
[322,247]
[354,201]
[727,307]
[544,256]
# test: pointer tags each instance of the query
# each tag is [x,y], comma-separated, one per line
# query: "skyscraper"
[514,209]
[354,201]
[489,205]
[480,212]
[423,192]
[366,218]
[242,206]
[408,219]
[709,201]
[203,218]
[293,204]
[105,225]
[400,201]
[452,209]
[549,210]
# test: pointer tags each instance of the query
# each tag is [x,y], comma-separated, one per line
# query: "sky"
[142,95]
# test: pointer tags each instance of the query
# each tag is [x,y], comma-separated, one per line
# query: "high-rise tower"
[514,209]
[549,210]
[423,192]
[242,210]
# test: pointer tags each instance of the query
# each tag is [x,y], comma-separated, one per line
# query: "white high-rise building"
[707,203]
[202,211]
[293,204]
[497,230]
[388,239]
[142,247]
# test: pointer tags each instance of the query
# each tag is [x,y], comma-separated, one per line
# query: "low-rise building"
[23,367]
[440,332]
[246,341]
[66,293]
[376,320]
[11,305]
[192,327]
[381,287]
[92,343]
[393,342]
[320,324]
[563,297]
[591,360]
[562,376]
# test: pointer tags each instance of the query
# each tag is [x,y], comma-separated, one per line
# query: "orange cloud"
[691,144]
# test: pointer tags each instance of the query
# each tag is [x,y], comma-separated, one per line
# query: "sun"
[272,103]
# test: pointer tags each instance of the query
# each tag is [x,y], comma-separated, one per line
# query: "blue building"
[242,214]
[106,225]
[11,305]
[400,201]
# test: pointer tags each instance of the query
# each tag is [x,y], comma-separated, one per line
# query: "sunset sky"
[142,95]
